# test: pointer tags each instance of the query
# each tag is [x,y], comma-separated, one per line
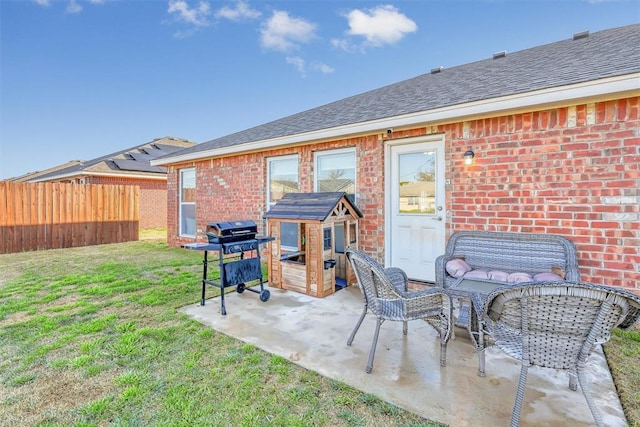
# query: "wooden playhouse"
[312,231]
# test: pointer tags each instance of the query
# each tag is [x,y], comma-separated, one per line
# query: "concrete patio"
[312,333]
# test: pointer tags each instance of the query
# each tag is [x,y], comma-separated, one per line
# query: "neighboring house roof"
[338,184]
[587,65]
[32,175]
[310,206]
[133,162]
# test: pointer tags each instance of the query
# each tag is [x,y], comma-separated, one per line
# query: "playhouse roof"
[312,206]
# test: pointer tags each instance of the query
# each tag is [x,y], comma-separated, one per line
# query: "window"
[416,175]
[327,239]
[339,228]
[282,178]
[188,202]
[335,171]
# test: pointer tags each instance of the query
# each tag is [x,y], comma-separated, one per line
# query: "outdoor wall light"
[468,157]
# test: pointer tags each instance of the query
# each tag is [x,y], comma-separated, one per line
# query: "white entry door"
[415,232]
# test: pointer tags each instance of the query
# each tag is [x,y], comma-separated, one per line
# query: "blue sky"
[84,78]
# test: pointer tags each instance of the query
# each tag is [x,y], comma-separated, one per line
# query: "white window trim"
[316,167]
[295,157]
[181,203]
[273,159]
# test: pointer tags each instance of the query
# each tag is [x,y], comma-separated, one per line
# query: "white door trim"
[434,138]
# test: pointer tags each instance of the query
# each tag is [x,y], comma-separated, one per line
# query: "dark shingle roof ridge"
[88,163]
[37,174]
[605,53]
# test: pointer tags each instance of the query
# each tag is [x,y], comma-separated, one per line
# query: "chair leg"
[481,370]
[443,353]
[586,390]
[372,353]
[353,333]
[573,385]
[405,328]
[517,406]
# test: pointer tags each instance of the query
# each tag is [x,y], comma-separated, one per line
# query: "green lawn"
[92,336]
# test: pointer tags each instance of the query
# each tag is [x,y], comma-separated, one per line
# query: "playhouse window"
[339,230]
[327,238]
[289,232]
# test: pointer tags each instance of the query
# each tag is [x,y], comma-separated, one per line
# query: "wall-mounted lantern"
[468,157]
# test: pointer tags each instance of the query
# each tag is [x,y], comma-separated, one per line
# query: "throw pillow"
[477,274]
[457,267]
[519,277]
[547,277]
[499,276]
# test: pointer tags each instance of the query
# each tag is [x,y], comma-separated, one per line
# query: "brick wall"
[152,200]
[571,171]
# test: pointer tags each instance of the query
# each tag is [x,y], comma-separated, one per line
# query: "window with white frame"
[188,202]
[335,171]
[282,178]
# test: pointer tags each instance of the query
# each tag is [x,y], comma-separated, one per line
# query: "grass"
[91,336]
[623,356]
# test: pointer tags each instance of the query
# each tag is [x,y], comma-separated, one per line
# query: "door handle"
[438,218]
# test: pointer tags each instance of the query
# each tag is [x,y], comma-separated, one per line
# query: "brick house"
[551,133]
[126,167]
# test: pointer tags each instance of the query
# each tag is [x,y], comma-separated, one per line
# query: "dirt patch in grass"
[54,396]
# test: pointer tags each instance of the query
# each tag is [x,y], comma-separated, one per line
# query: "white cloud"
[304,68]
[284,33]
[73,7]
[197,16]
[381,25]
[298,63]
[346,45]
[239,12]
[323,68]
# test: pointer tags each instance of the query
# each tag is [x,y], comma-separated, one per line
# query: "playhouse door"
[415,206]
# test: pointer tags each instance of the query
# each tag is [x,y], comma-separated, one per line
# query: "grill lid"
[231,231]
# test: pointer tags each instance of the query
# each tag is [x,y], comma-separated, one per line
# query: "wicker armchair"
[386,295]
[555,325]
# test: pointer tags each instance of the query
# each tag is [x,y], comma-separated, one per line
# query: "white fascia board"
[562,94]
[81,174]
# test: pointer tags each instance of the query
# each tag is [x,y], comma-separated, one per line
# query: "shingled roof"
[583,58]
[131,161]
[310,206]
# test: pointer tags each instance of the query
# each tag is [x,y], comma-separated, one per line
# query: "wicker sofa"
[529,253]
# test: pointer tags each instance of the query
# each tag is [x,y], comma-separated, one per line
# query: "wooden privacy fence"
[55,215]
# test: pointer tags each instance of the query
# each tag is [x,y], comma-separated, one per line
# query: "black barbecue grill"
[231,231]
[238,250]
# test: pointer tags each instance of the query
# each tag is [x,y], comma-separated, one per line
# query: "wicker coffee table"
[463,289]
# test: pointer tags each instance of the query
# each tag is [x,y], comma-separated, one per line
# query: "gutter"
[626,84]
